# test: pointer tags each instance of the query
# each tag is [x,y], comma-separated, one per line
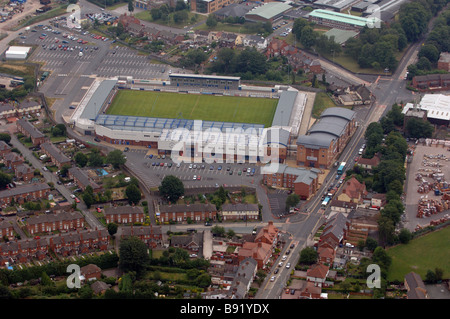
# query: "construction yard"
[428,193]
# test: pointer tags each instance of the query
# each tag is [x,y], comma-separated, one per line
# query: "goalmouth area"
[206,107]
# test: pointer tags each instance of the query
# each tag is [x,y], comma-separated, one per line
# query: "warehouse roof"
[270,10]
[98,98]
[335,4]
[284,108]
[436,105]
[342,17]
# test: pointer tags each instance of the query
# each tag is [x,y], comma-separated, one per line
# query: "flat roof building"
[335,5]
[437,107]
[268,12]
[17,53]
[341,20]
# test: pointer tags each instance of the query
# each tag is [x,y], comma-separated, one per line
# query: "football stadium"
[198,115]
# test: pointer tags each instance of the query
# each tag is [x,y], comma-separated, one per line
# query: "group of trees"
[179,13]
[437,41]
[96,159]
[248,63]
[377,47]
[303,31]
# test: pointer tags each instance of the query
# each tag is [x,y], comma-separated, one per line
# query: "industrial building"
[326,139]
[436,106]
[341,20]
[335,5]
[268,12]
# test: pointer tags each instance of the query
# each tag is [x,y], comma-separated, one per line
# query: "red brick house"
[29,130]
[326,255]
[444,61]
[82,179]
[55,155]
[268,234]
[124,214]
[79,242]
[431,82]
[6,229]
[181,213]
[63,221]
[24,193]
[304,182]
[24,172]
[260,251]
[126,20]
[151,236]
[275,48]
[334,231]
[353,191]
[4,148]
[91,272]
[317,274]
[12,160]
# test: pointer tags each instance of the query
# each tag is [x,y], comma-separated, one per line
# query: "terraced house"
[29,130]
[63,221]
[22,194]
[181,213]
[55,155]
[124,214]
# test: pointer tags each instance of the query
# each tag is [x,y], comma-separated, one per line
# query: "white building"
[17,53]
[437,107]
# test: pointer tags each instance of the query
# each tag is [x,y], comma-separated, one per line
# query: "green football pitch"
[194,107]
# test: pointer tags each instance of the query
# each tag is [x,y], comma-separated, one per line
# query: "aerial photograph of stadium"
[223,158]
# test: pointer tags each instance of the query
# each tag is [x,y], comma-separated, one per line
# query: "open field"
[194,107]
[420,255]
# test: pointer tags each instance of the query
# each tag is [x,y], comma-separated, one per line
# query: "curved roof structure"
[329,127]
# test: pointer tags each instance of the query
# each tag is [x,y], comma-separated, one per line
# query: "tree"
[430,52]
[5,179]
[133,194]
[81,159]
[88,199]
[5,137]
[133,255]
[419,128]
[308,256]
[95,159]
[59,130]
[211,21]
[130,6]
[371,243]
[386,230]
[292,200]
[218,231]
[112,228]
[116,158]
[171,188]
[404,236]
[307,37]
[64,170]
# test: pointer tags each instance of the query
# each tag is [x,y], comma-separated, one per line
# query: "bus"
[326,201]
[341,168]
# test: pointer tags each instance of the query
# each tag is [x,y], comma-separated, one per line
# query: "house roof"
[90,269]
[354,189]
[336,226]
[99,286]
[28,188]
[30,128]
[51,218]
[417,289]
[240,207]
[81,176]
[119,210]
[235,9]
[181,208]
[55,152]
[318,271]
